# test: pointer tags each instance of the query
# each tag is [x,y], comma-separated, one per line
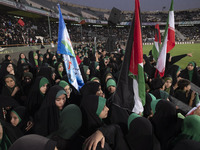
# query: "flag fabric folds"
[130,92]
[157,42]
[168,42]
[65,48]
[21,22]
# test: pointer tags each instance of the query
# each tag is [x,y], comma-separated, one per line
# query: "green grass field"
[181,49]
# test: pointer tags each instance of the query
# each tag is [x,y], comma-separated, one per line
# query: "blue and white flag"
[65,48]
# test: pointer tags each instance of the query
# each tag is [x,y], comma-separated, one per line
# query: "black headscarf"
[31,59]
[46,72]
[47,117]
[165,122]
[140,134]
[59,75]
[10,135]
[35,97]
[195,75]
[90,88]
[6,101]
[19,60]
[91,121]
[21,111]
[187,145]
[173,72]
[33,142]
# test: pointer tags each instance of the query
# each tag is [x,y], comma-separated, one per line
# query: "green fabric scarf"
[5,142]
[43,81]
[190,73]
[60,72]
[101,104]
[191,127]
[131,118]
[153,103]
[36,61]
[63,83]
[12,77]
[111,82]
[85,68]
[17,116]
[70,122]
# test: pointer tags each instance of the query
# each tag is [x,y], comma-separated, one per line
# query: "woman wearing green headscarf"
[11,88]
[69,124]
[8,135]
[190,129]
[190,73]
[168,85]
[94,112]
[37,94]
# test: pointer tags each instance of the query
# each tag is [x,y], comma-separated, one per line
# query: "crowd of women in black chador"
[40,109]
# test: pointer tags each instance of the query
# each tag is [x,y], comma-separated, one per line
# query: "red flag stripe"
[136,53]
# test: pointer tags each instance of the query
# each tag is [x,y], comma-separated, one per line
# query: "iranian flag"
[130,91]
[157,42]
[168,42]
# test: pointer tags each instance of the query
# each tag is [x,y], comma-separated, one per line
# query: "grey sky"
[146,5]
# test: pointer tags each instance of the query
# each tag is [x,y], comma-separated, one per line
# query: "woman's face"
[190,67]
[99,92]
[88,72]
[188,87]
[9,68]
[168,83]
[1,132]
[60,101]
[60,68]
[43,89]
[14,119]
[22,56]
[111,89]
[10,82]
[68,90]
[104,112]
[36,56]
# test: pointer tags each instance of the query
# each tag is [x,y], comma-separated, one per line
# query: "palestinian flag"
[157,42]
[130,92]
[168,42]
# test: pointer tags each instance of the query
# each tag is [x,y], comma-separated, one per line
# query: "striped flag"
[130,92]
[65,48]
[168,42]
[157,42]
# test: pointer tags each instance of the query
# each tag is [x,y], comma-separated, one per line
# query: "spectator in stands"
[190,73]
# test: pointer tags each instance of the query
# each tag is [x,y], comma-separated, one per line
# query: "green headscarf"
[61,92]
[43,81]
[85,68]
[190,73]
[5,142]
[191,127]
[95,78]
[70,121]
[111,82]
[36,61]
[153,103]
[60,73]
[12,77]
[63,83]
[101,104]
[164,95]
[95,65]
[131,118]
[168,89]
[17,115]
